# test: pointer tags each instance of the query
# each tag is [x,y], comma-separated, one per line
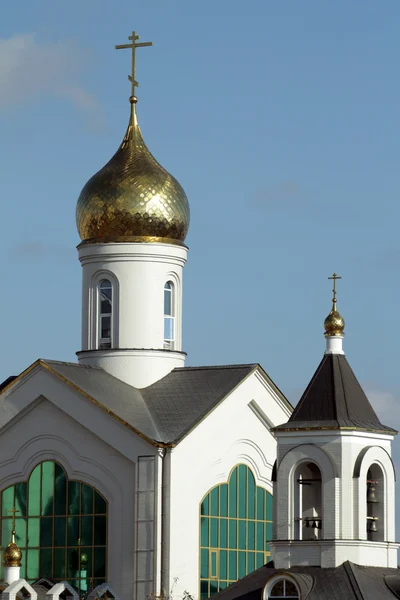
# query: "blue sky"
[280,120]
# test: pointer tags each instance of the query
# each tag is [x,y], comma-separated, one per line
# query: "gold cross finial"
[13,510]
[335,276]
[133,46]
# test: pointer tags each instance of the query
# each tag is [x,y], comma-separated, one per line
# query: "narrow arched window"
[375,504]
[105,314]
[169,317]
[307,502]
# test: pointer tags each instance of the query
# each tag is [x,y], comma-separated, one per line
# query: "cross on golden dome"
[335,276]
[133,46]
[334,322]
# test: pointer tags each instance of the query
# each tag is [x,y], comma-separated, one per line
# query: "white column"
[11,574]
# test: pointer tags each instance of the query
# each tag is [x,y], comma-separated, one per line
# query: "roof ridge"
[216,367]
[348,567]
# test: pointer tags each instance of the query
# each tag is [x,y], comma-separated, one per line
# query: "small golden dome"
[334,322]
[132,198]
[12,554]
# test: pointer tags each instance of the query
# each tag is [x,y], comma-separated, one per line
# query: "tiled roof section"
[165,411]
[121,399]
[346,582]
[185,396]
[334,398]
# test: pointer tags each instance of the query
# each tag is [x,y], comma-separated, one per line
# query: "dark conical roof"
[334,399]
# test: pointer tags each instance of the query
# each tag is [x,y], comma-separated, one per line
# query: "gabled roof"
[334,399]
[162,413]
[346,582]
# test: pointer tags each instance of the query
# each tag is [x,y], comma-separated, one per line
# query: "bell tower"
[334,478]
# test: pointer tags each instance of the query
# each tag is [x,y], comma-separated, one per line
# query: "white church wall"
[105,459]
[141,270]
[230,435]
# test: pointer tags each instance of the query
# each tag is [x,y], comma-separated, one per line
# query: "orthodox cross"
[334,277]
[13,511]
[133,46]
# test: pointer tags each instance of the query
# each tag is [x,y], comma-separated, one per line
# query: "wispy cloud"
[36,250]
[30,69]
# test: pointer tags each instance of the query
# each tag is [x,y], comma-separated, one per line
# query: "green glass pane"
[214,504]
[74,498]
[213,587]
[268,532]
[100,505]
[233,493]
[100,531]
[269,501]
[223,564]
[99,562]
[204,589]
[205,505]
[7,501]
[251,535]
[232,566]
[22,570]
[20,529]
[251,495]
[250,562]
[20,499]
[34,492]
[72,562]
[86,561]
[242,534]
[47,488]
[33,532]
[87,499]
[32,567]
[214,533]
[46,563]
[213,564]
[222,585]
[260,504]
[260,539]
[259,559]
[60,531]
[241,564]
[87,530]
[232,534]
[223,533]
[223,500]
[204,557]
[204,531]
[60,563]
[5,531]
[73,531]
[60,499]
[242,485]
[46,531]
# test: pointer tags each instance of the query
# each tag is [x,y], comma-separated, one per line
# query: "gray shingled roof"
[165,411]
[334,398]
[346,582]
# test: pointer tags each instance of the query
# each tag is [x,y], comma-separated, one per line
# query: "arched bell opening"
[375,504]
[308,502]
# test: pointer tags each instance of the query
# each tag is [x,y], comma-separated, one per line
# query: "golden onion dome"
[133,198]
[12,554]
[334,323]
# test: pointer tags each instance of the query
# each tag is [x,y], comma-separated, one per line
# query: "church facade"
[128,467]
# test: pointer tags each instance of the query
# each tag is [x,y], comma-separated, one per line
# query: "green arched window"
[61,527]
[235,525]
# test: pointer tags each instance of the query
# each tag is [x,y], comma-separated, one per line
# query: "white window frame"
[273,581]
[169,342]
[101,315]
